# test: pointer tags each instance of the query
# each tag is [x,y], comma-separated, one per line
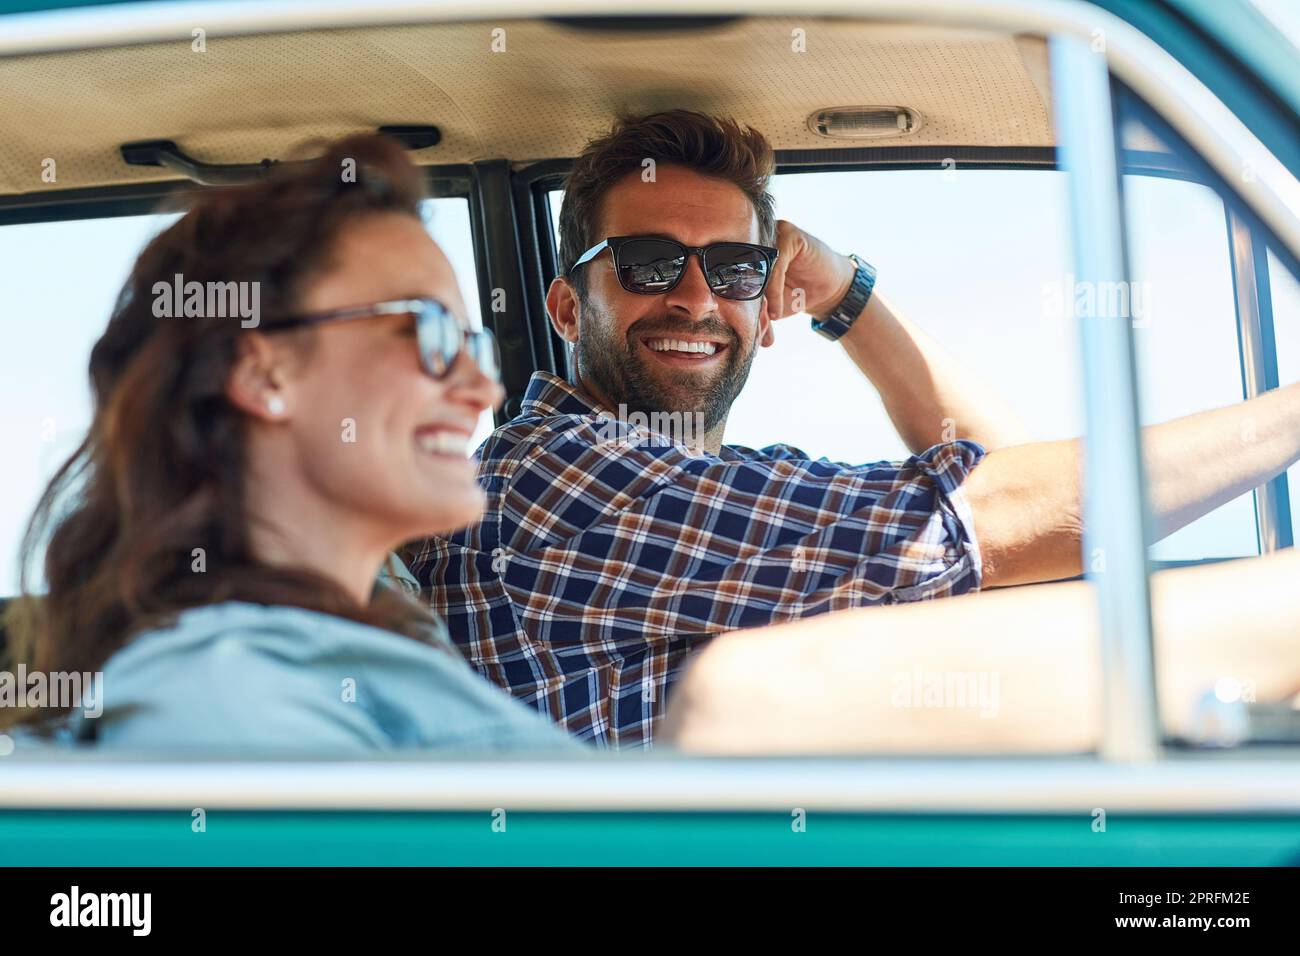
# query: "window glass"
[53,320]
[1185,334]
[1182,253]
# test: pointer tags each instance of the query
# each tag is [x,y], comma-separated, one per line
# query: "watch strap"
[841,318]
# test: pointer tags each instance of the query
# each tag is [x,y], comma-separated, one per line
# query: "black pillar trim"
[500,267]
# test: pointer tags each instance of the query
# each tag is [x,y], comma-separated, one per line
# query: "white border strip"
[665,783]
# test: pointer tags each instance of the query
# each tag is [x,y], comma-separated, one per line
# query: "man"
[611,551]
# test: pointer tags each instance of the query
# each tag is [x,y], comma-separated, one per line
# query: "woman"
[246,476]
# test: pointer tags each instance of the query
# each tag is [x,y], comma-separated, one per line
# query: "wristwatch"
[840,318]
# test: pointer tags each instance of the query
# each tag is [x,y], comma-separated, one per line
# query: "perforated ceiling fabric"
[543,92]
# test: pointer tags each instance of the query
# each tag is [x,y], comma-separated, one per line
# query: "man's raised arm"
[1026,500]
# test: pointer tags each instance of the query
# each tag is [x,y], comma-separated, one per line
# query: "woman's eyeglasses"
[648,265]
[439,336]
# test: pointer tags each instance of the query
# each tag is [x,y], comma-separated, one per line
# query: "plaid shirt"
[607,554]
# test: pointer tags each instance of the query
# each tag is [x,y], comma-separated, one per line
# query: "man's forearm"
[930,397]
[852,680]
[1026,501]
[1197,463]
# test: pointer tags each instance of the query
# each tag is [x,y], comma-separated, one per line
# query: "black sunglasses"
[439,335]
[649,265]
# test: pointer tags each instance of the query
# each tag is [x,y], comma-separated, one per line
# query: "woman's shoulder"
[248,677]
[293,634]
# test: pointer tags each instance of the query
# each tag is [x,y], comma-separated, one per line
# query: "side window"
[54,318]
[52,325]
[1222,316]
[1185,334]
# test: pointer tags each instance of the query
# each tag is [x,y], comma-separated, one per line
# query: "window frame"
[1252,784]
[167,196]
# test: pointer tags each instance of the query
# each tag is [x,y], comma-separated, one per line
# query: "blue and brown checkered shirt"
[607,554]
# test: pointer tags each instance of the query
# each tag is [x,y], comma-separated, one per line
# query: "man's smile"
[685,351]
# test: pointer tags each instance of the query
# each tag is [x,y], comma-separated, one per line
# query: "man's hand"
[809,276]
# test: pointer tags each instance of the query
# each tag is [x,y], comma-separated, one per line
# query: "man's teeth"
[677,345]
[443,443]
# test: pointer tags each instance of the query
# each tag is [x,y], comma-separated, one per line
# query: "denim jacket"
[241,678]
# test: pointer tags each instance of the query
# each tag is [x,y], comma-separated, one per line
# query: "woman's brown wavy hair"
[161,470]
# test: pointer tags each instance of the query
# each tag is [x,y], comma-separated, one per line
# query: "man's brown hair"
[709,145]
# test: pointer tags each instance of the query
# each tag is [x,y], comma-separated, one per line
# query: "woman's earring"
[275,405]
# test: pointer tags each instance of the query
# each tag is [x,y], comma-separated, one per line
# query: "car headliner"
[552,88]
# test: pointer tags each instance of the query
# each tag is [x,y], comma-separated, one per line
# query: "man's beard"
[616,366]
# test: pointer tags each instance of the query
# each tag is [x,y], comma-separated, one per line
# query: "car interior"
[138,125]
[494,110]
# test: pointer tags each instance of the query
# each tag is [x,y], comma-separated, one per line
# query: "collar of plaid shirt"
[548,395]
[606,557]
